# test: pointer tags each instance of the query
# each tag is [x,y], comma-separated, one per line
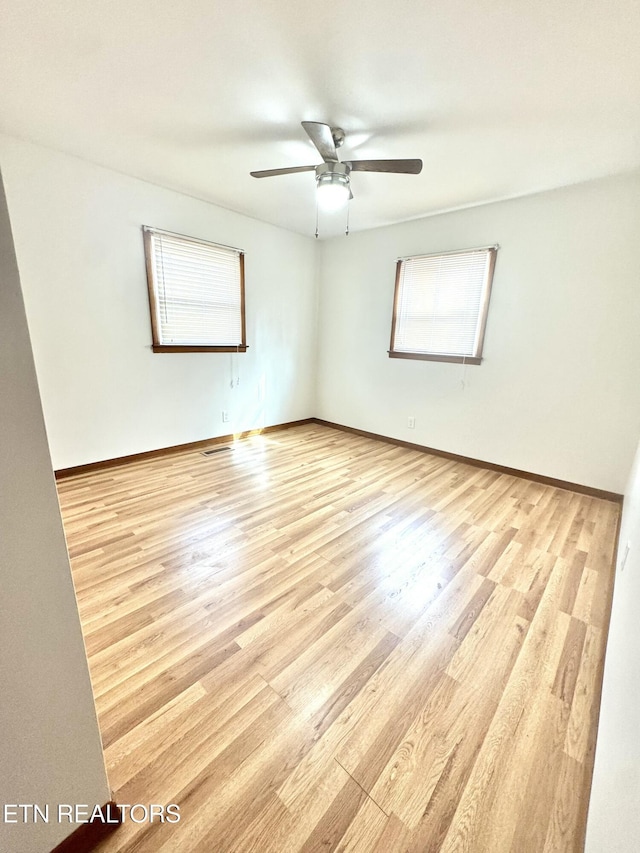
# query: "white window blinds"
[197,291]
[441,303]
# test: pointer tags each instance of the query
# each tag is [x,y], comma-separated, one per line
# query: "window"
[196,294]
[440,306]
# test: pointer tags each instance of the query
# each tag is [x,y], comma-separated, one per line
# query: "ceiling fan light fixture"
[333,191]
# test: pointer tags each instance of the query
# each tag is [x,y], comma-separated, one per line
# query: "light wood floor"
[320,642]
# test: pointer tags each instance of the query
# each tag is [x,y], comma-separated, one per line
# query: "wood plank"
[319,641]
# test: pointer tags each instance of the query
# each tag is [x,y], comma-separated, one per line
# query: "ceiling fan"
[332,176]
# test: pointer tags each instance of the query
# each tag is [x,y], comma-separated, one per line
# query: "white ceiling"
[498,97]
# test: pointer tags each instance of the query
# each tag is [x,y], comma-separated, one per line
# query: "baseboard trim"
[61,473]
[479,463]
[88,835]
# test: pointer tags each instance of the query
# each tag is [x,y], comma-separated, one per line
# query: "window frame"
[482,315]
[156,345]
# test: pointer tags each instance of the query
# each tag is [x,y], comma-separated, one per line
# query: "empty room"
[319,427]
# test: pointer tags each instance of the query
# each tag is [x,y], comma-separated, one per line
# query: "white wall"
[50,749]
[558,392]
[614,816]
[81,260]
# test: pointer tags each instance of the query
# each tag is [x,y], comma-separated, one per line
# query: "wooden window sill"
[425,356]
[172,348]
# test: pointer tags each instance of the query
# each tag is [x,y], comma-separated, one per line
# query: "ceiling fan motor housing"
[334,168]
[338,136]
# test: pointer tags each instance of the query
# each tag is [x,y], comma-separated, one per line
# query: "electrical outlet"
[225,417]
[625,554]
[411,423]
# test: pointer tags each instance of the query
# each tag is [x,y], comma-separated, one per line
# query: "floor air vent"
[214,450]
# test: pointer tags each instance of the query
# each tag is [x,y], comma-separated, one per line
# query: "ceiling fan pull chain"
[316,216]
[348,209]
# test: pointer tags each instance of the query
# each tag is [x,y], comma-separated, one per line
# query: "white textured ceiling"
[498,97]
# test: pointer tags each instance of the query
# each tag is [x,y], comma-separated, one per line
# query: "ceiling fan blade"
[321,136]
[406,167]
[270,173]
